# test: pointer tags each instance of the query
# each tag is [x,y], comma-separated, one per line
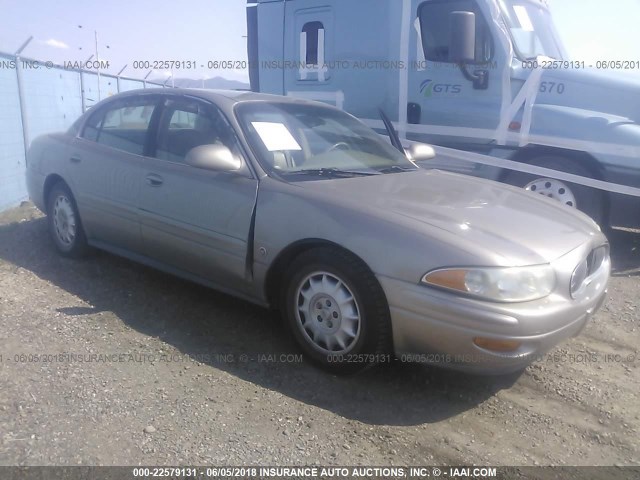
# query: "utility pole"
[97,54]
[23,109]
[98,60]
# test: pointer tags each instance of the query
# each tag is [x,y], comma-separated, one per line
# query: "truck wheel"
[585,199]
[65,226]
[337,311]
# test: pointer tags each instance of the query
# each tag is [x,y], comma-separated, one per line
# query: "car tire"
[337,311]
[585,199]
[65,226]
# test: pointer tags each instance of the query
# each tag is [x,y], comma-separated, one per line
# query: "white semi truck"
[484,76]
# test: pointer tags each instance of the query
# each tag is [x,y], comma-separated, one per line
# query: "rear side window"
[123,126]
[92,127]
[435,24]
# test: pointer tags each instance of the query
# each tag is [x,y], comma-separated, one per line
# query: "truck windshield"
[532,29]
[300,141]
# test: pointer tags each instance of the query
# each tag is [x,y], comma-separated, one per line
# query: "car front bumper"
[437,327]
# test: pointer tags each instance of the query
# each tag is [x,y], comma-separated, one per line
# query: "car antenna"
[393,134]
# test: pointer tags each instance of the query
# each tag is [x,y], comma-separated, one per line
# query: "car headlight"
[513,284]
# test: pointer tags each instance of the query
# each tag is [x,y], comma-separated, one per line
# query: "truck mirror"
[462,43]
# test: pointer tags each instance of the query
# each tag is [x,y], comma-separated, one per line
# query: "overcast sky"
[598,30]
[198,30]
[203,30]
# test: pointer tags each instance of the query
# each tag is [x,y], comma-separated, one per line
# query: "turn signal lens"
[453,279]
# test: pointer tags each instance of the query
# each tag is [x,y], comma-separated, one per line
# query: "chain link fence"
[38,97]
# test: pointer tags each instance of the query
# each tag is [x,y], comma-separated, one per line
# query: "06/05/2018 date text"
[550,64]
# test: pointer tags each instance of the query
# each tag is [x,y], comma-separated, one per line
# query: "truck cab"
[485,76]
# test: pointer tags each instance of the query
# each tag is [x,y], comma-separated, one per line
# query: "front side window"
[123,127]
[532,29]
[291,140]
[435,24]
[188,124]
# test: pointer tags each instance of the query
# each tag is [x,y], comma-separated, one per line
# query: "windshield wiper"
[396,169]
[330,173]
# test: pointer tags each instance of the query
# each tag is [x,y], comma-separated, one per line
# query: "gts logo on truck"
[429,88]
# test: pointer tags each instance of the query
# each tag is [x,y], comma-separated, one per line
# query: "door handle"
[154,180]
[75,159]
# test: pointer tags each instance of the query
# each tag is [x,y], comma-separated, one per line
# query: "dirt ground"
[106,362]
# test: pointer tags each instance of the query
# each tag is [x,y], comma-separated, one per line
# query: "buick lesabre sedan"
[297,205]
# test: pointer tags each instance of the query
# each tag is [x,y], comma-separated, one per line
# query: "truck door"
[445,108]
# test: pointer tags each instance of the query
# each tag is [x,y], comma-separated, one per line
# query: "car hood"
[512,226]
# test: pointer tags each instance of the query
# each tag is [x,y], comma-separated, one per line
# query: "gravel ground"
[196,377]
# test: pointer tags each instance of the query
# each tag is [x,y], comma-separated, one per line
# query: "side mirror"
[462,43]
[419,152]
[213,157]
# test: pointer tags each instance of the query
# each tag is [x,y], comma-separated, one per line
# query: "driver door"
[446,108]
[192,219]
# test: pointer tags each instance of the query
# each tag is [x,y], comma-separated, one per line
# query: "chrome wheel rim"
[327,313]
[553,189]
[64,220]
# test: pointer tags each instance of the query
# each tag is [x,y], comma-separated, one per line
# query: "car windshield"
[297,140]
[532,28]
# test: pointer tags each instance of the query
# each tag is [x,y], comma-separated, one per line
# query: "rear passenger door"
[106,164]
[192,219]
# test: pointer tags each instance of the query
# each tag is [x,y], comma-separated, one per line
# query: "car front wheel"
[65,226]
[337,311]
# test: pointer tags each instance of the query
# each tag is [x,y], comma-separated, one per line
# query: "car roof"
[227,98]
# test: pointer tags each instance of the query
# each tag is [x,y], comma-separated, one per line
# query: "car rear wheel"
[585,199]
[65,226]
[337,311]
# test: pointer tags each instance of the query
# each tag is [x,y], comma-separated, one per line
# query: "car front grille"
[584,272]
